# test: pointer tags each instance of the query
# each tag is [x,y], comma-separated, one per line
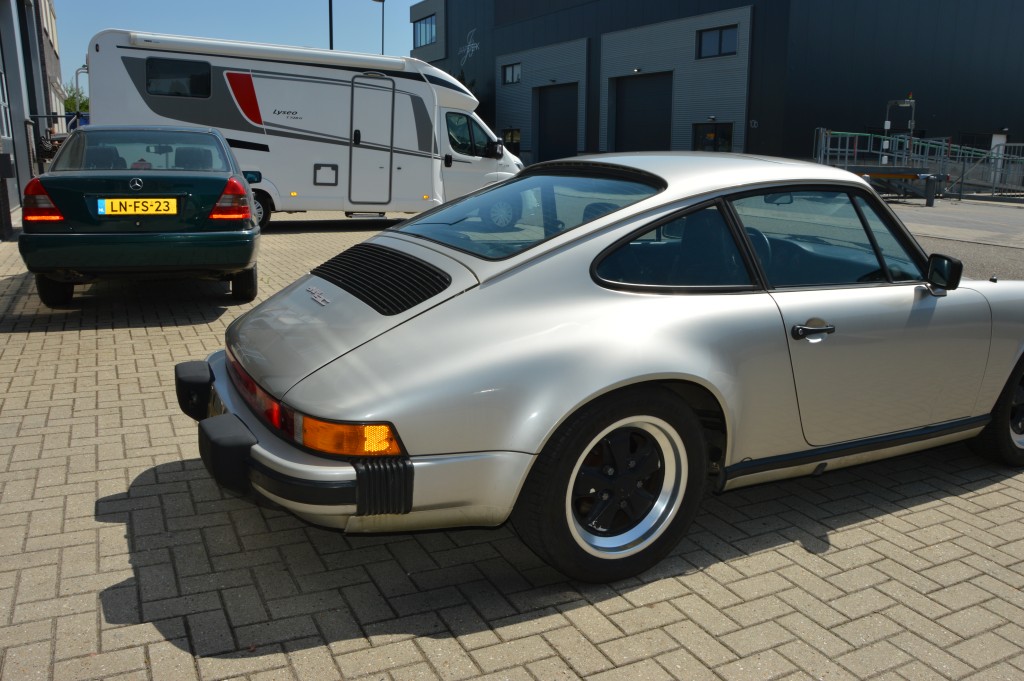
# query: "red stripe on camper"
[245,94]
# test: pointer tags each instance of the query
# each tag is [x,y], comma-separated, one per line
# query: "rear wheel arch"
[699,398]
[619,480]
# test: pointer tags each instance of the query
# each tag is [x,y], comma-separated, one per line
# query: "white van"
[328,130]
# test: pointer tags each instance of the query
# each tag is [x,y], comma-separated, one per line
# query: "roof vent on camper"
[387,280]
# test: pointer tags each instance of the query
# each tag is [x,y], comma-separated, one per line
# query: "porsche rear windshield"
[141,150]
[534,207]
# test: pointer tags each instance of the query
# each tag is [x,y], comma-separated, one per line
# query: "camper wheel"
[264,206]
[504,213]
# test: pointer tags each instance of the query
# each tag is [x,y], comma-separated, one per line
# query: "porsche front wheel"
[1003,437]
[616,488]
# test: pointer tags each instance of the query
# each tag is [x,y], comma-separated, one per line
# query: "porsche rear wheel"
[1004,435]
[616,488]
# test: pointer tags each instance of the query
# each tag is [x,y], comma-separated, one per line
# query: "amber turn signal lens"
[348,439]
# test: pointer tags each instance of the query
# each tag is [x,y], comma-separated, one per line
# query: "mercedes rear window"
[141,150]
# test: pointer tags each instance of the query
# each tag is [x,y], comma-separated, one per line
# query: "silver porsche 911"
[586,348]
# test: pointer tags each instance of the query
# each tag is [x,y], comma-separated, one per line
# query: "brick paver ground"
[120,559]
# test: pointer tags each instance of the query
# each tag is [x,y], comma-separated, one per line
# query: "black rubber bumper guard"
[382,486]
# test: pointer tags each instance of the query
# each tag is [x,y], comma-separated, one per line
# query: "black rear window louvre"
[387,280]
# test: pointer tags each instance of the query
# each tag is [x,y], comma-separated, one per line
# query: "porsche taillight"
[232,204]
[37,205]
[326,437]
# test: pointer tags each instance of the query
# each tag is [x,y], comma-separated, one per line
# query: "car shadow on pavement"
[114,304]
[230,577]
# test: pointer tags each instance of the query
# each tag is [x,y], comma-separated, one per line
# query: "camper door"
[372,140]
[466,162]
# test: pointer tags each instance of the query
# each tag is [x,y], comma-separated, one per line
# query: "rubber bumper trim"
[312,492]
[192,381]
[224,445]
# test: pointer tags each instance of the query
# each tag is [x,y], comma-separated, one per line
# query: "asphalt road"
[987,237]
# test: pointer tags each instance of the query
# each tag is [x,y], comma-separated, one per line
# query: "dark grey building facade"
[558,77]
[31,96]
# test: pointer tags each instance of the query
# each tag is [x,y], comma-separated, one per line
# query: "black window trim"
[430,20]
[510,68]
[757,284]
[888,217]
[209,68]
[719,53]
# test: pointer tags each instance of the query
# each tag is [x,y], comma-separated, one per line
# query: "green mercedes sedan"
[140,202]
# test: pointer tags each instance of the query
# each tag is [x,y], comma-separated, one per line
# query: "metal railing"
[963,169]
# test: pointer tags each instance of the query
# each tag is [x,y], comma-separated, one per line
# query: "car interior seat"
[193,158]
[707,253]
[102,158]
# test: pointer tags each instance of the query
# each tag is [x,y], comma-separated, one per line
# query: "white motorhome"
[328,130]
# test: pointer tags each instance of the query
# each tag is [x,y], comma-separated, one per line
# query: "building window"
[716,42]
[712,137]
[511,138]
[424,31]
[511,73]
[177,77]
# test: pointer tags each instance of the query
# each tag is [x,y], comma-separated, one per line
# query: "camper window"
[177,77]
[465,135]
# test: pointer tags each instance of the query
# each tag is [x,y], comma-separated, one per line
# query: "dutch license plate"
[133,206]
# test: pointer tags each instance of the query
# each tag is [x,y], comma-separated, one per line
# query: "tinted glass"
[729,40]
[693,250]
[709,43]
[809,238]
[141,150]
[902,265]
[525,211]
[458,133]
[424,31]
[177,77]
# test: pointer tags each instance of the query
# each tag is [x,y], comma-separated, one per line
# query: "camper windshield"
[525,211]
[141,149]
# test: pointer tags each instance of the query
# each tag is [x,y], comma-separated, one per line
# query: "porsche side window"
[901,264]
[809,238]
[692,250]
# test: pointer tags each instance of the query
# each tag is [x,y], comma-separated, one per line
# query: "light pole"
[79,71]
[330,24]
[381,25]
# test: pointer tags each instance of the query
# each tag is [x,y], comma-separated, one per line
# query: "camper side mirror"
[494,149]
[252,176]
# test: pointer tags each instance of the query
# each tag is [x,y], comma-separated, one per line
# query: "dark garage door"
[643,112]
[557,110]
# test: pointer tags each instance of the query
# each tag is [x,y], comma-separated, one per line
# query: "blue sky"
[285,22]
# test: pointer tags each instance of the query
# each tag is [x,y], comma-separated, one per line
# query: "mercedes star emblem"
[135,183]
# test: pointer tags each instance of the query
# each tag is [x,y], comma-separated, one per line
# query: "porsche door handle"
[799,331]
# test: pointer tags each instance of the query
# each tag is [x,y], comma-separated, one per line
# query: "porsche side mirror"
[944,273]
